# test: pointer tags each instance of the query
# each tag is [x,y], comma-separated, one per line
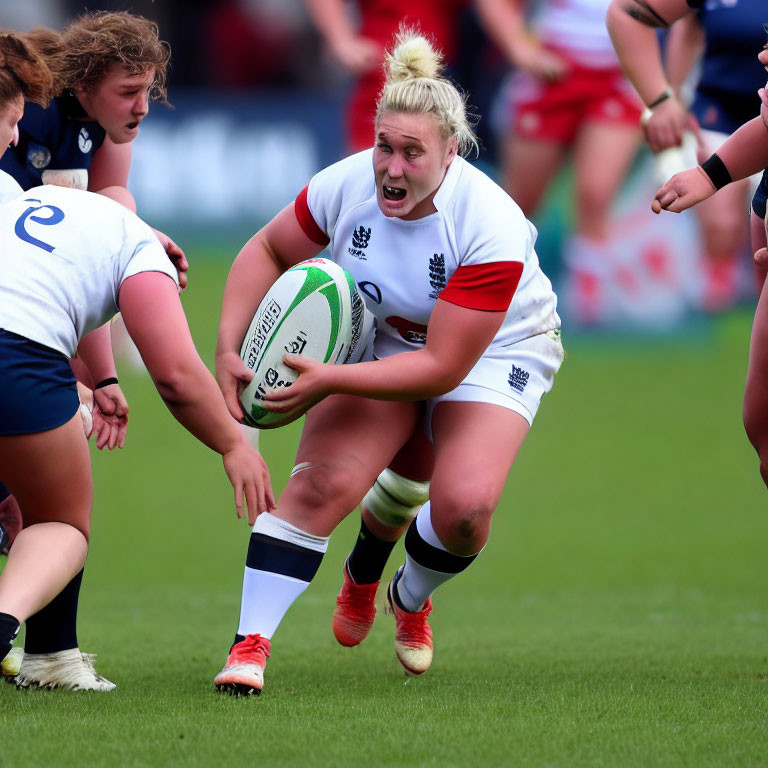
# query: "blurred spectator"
[568,97]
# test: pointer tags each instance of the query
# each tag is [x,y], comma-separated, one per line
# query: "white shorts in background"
[515,377]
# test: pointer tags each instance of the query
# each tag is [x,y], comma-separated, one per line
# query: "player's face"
[410,160]
[119,102]
[10,115]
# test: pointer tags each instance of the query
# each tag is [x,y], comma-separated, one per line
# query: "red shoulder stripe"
[484,286]
[306,220]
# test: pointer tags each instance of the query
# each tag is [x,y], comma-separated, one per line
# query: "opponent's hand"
[233,376]
[665,125]
[539,61]
[176,255]
[309,388]
[248,473]
[359,55]
[683,190]
[110,417]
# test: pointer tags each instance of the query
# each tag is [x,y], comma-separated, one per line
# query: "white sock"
[428,564]
[282,560]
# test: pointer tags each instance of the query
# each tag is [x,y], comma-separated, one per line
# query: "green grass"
[617,618]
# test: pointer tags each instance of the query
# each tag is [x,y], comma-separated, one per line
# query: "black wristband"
[665,94]
[106,382]
[715,168]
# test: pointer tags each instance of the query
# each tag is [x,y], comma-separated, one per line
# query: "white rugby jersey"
[475,251]
[64,255]
[577,27]
[9,187]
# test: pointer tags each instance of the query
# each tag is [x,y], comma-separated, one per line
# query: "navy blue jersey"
[726,96]
[59,137]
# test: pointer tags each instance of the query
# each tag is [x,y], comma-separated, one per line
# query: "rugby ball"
[315,309]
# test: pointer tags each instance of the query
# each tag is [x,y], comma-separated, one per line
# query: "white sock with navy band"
[428,564]
[282,560]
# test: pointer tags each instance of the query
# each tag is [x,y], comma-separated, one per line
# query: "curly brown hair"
[22,72]
[87,48]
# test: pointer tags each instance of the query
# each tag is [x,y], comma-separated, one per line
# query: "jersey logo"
[39,157]
[360,239]
[518,378]
[413,332]
[371,290]
[436,274]
[84,141]
[55,217]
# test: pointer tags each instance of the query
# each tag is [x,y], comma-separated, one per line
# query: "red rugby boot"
[355,611]
[413,635]
[243,674]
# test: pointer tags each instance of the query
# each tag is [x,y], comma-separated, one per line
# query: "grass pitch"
[617,617]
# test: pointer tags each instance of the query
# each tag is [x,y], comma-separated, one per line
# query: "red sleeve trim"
[307,221]
[484,286]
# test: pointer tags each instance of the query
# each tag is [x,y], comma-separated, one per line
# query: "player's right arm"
[155,320]
[632,25]
[270,252]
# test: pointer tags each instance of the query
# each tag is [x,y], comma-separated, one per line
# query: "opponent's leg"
[475,446]
[386,512]
[49,474]
[338,458]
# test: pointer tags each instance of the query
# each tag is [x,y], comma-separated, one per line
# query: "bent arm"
[110,166]
[95,352]
[156,322]
[745,151]
[456,339]
[632,25]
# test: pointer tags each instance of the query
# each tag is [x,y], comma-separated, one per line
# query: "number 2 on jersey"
[56,215]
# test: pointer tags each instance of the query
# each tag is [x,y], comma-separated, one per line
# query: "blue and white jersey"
[726,95]
[65,255]
[57,138]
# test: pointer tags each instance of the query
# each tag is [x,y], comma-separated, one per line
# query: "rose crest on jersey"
[360,239]
[436,274]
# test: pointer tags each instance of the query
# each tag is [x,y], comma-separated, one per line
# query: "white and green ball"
[313,309]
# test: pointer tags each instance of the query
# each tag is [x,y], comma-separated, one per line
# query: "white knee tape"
[394,500]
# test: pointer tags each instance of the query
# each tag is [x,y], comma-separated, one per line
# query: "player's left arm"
[456,339]
[110,166]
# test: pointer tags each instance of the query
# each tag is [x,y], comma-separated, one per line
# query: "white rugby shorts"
[515,377]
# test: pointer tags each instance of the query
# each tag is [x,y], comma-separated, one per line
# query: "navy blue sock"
[369,557]
[9,628]
[54,628]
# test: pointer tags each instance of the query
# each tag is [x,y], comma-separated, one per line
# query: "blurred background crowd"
[264,93]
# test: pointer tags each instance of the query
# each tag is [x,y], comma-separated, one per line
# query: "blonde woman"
[468,341]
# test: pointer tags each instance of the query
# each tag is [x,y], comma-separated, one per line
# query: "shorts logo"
[518,378]
[84,141]
[39,158]
[360,239]
[436,274]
